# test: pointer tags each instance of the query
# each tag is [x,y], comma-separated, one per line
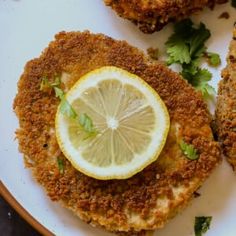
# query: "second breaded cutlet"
[153,15]
[145,201]
[226,106]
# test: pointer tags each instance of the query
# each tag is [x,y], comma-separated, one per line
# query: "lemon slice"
[130,119]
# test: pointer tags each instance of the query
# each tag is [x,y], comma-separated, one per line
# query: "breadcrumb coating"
[145,201]
[226,106]
[153,15]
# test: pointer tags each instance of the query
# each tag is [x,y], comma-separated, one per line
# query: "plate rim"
[5,193]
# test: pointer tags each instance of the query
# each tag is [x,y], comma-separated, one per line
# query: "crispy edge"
[226,106]
[35,112]
[151,16]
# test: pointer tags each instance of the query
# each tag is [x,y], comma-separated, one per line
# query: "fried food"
[151,16]
[226,106]
[145,201]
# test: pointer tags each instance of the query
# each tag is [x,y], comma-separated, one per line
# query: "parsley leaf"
[213,59]
[206,89]
[57,82]
[59,92]
[44,85]
[187,42]
[60,164]
[202,224]
[177,50]
[198,39]
[189,151]
[201,75]
[86,122]
[200,82]
[186,46]
[67,109]
[190,70]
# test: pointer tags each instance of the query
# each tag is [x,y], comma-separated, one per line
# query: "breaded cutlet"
[226,106]
[145,201]
[153,15]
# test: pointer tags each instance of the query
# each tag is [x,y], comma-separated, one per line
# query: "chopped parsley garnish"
[187,42]
[59,92]
[186,46]
[213,59]
[87,123]
[83,119]
[57,82]
[200,82]
[202,224]
[189,151]
[60,164]
[66,108]
[45,84]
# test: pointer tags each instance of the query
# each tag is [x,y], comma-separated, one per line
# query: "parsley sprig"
[202,224]
[186,46]
[60,164]
[85,122]
[46,85]
[66,109]
[213,59]
[189,151]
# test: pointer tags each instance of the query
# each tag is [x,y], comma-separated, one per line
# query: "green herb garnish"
[59,92]
[187,42]
[186,46]
[189,151]
[83,119]
[66,109]
[213,59]
[199,78]
[60,164]
[57,82]
[202,224]
[45,84]
[200,82]
[87,123]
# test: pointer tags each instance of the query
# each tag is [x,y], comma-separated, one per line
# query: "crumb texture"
[145,201]
[226,106]
[153,15]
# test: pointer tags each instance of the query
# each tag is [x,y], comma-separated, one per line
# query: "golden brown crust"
[153,15]
[226,106]
[154,195]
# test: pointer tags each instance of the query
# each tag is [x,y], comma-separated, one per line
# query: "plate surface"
[27,26]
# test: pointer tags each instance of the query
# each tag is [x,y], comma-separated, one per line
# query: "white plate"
[27,26]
